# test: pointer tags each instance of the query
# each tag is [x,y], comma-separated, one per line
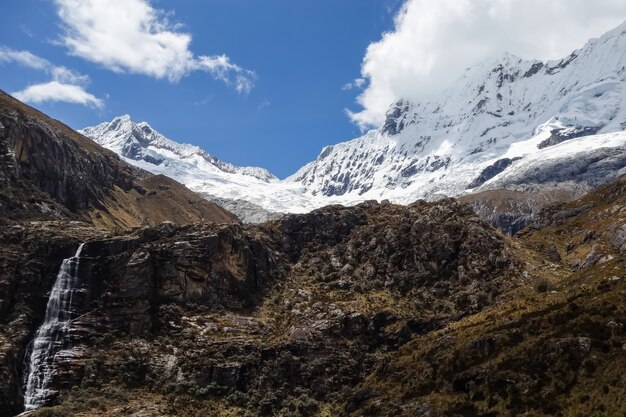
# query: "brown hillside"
[48,171]
[557,347]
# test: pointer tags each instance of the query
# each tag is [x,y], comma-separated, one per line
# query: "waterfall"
[53,335]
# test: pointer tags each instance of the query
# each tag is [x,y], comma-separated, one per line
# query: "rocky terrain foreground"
[371,310]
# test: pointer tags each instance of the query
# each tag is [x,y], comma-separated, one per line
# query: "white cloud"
[356,84]
[434,41]
[25,58]
[222,69]
[66,75]
[56,91]
[132,36]
[66,85]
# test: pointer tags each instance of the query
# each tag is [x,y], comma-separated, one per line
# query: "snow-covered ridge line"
[140,141]
[507,123]
[605,154]
[142,146]
[489,111]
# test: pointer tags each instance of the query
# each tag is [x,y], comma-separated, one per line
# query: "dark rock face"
[50,172]
[527,356]
[122,280]
[534,69]
[557,136]
[491,171]
[417,247]
[30,257]
[509,223]
[511,211]
[58,165]
[245,304]
[394,122]
[597,167]
[218,268]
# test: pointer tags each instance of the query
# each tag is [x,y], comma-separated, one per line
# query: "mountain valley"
[467,258]
[374,309]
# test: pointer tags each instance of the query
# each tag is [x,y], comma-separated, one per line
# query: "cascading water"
[52,337]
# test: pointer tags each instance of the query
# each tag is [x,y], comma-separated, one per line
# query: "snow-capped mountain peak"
[495,109]
[141,145]
[140,142]
[505,123]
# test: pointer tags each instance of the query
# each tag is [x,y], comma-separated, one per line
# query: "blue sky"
[261,82]
[301,52]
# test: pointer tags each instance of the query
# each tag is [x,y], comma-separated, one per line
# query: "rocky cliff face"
[49,171]
[557,350]
[30,257]
[206,310]
[510,211]
[375,309]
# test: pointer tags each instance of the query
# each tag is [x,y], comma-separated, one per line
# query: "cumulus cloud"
[434,41]
[56,91]
[132,36]
[67,85]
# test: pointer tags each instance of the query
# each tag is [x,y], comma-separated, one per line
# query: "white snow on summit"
[142,146]
[505,123]
[139,141]
[496,110]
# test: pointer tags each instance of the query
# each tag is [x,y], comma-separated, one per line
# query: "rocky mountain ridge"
[48,171]
[336,312]
[271,285]
[373,309]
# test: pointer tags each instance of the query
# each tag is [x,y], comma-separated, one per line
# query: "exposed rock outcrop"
[510,211]
[221,308]
[555,350]
[246,211]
